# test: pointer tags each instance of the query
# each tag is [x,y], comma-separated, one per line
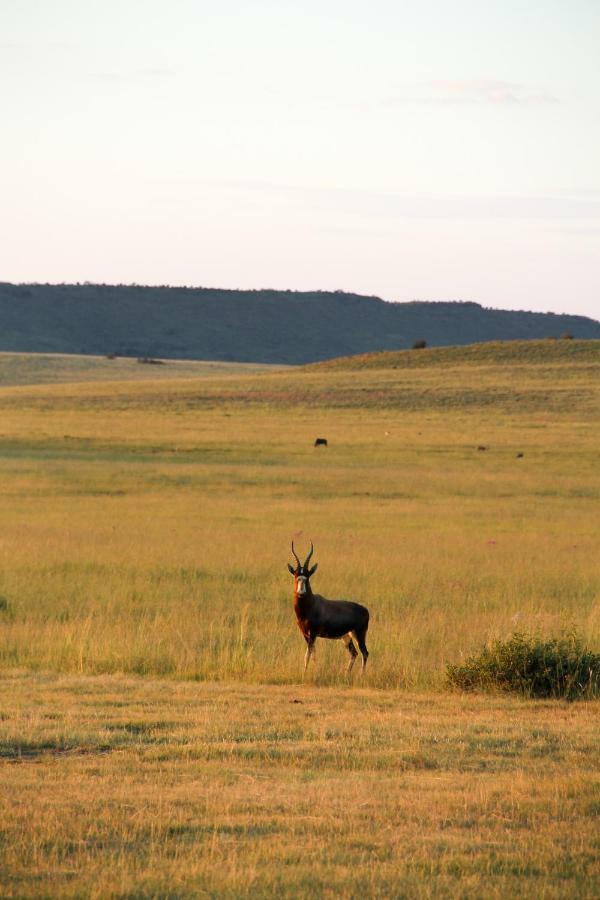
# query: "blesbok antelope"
[334,619]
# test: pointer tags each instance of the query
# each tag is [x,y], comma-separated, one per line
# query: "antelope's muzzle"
[301,584]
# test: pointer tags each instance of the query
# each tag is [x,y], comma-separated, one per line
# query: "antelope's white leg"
[309,652]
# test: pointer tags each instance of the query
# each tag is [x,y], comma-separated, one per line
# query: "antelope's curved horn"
[296,557]
[312,550]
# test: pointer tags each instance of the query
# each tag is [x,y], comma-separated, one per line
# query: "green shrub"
[528,664]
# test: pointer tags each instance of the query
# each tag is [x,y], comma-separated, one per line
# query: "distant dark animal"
[333,619]
[520,455]
[321,442]
[148,361]
[481,447]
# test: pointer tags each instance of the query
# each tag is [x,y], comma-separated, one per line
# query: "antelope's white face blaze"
[301,584]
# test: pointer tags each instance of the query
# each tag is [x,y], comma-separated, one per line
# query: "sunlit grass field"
[121,787]
[145,526]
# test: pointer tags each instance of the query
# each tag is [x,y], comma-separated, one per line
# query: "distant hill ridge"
[265,326]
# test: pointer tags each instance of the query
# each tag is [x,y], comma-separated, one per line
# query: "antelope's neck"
[303,603]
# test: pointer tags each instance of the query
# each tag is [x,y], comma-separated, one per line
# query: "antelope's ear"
[313,570]
[292,570]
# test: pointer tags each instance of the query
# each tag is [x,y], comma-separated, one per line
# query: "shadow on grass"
[23,751]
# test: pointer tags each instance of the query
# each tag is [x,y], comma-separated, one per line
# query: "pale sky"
[426,149]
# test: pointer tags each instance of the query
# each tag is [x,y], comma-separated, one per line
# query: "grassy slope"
[144,530]
[494,353]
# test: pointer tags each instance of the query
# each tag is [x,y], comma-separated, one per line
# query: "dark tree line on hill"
[249,326]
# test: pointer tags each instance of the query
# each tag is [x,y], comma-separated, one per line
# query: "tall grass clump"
[528,664]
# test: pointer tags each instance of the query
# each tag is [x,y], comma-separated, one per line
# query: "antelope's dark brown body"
[329,618]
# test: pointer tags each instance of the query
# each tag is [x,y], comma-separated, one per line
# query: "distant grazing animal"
[321,442]
[334,619]
[481,447]
[520,455]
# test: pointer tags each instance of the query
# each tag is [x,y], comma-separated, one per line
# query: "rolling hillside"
[501,353]
[158,737]
[249,326]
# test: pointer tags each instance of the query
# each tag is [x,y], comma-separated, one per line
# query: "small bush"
[566,336]
[527,664]
[419,345]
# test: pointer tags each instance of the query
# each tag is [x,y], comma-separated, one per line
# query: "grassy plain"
[60,368]
[144,531]
[121,787]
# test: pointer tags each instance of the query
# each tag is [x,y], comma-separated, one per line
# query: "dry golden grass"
[116,787]
[146,527]
[144,530]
